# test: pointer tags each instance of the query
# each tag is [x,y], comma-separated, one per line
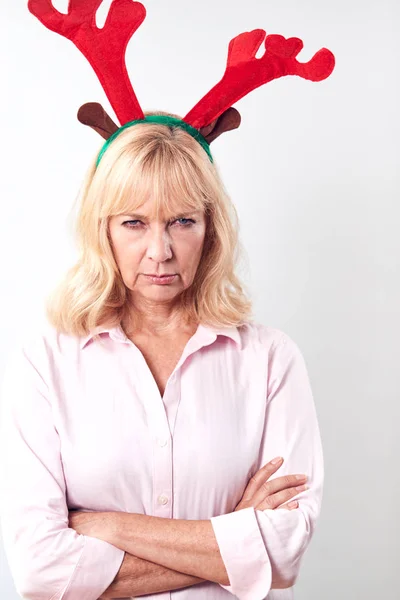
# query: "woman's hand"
[102,525]
[261,493]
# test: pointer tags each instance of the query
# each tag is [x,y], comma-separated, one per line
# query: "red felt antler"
[245,72]
[104,48]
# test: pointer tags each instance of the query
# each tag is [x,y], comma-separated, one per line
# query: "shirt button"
[162,443]
[162,499]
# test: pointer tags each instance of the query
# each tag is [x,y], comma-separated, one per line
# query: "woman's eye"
[132,226]
[188,222]
[182,221]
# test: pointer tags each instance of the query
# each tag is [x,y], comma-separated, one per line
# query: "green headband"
[164,120]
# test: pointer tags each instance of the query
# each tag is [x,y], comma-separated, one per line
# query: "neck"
[158,320]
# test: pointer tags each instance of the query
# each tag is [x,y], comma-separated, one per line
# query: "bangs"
[170,177]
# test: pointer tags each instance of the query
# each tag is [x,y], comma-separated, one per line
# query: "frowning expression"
[145,246]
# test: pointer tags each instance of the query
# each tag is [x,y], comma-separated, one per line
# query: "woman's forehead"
[163,207]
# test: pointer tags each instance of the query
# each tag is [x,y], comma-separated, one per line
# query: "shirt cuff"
[244,555]
[96,569]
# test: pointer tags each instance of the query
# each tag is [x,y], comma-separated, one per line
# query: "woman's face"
[144,247]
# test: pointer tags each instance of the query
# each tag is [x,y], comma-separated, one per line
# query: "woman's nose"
[159,247]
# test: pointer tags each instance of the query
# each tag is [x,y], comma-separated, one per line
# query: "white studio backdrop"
[314,173]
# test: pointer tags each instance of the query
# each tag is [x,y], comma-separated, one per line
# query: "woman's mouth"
[161,280]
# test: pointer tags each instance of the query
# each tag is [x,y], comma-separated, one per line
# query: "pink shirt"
[84,426]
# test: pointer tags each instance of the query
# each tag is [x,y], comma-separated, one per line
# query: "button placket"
[162,414]
[163,457]
[159,431]
[162,484]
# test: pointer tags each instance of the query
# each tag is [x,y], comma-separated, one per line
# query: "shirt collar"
[206,333]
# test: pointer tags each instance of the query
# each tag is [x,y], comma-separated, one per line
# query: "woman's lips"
[163,280]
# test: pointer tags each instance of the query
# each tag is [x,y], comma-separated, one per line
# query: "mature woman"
[142,427]
[138,429]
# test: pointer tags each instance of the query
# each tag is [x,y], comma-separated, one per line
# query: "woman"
[138,429]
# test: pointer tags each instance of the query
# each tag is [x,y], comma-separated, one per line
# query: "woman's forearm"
[138,577]
[186,546]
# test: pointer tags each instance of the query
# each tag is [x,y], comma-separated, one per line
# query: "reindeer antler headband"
[105,50]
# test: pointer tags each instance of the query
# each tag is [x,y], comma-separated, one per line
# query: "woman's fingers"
[279,489]
[282,483]
[259,478]
[263,494]
[290,505]
[275,500]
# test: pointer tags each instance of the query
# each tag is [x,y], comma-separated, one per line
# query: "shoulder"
[280,347]
[269,337]
[40,345]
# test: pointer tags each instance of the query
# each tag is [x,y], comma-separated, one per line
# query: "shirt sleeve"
[263,549]
[47,559]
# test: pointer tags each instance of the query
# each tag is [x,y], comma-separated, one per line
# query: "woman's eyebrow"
[144,217]
[133,215]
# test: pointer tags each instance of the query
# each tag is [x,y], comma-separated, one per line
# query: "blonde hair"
[172,166]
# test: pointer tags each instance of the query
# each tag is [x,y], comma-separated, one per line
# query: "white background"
[314,173]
